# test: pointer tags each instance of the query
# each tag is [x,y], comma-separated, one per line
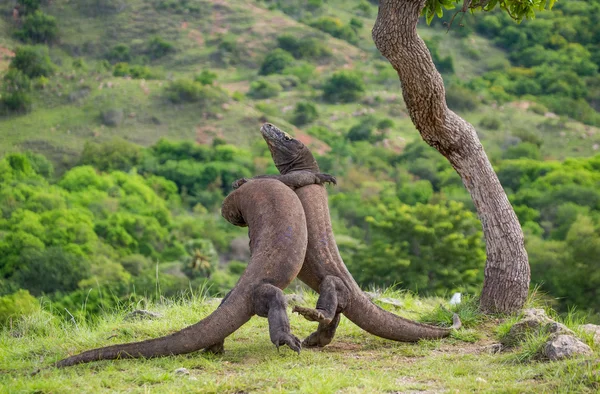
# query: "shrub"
[15,96]
[344,87]
[206,77]
[363,130]
[79,64]
[263,88]
[385,124]
[443,64]
[364,8]
[461,99]
[141,72]
[287,82]
[29,6]
[304,72]
[121,70]
[115,155]
[16,102]
[490,122]
[159,47]
[50,270]
[16,80]
[119,53]
[304,113]
[17,304]
[538,108]
[228,50]
[336,28]
[303,48]
[135,72]
[185,90]
[40,164]
[33,61]
[523,150]
[275,62]
[356,24]
[529,135]
[112,117]
[38,28]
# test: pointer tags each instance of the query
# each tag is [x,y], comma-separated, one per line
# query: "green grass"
[355,362]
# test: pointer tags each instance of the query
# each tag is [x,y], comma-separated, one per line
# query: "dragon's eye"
[287,138]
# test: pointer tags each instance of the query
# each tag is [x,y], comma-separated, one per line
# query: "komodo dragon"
[324,270]
[278,239]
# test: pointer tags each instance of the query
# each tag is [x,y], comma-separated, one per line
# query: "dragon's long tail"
[208,331]
[382,323]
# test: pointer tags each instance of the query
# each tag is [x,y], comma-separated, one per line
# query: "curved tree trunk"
[506,282]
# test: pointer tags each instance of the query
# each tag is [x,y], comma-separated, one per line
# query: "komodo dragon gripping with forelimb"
[278,239]
[323,269]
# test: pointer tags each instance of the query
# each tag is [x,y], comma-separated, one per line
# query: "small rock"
[182,371]
[519,329]
[533,320]
[141,314]
[480,380]
[565,346]
[534,312]
[294,299]
[559,329]
[592,329]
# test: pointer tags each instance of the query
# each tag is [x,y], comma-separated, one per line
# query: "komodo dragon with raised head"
[278,239]
[323,269]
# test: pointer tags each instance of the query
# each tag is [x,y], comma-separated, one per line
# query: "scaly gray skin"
[278,239]
[324,270]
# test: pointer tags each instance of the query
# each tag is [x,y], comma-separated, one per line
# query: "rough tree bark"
[507,274]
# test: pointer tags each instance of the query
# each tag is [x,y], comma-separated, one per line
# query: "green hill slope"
[231,39]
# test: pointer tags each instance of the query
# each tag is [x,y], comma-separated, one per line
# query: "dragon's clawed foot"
[326,178]
[217,348]
[284,338]
[311,314]
[238,183]
[317,339]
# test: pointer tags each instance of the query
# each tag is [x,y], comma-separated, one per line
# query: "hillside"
[354,362]
[231,40]
[124,123]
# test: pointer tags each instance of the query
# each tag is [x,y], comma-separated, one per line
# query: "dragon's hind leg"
[269,302]
[332,300]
